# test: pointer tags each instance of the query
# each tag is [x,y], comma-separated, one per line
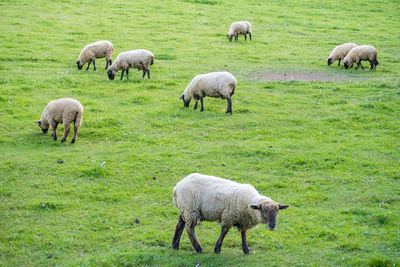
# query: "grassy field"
[329,149]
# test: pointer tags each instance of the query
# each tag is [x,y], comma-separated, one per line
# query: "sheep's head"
[330,61]
[111,74]
[269,211]
[347,63]
[186,102]
[229,37]
[79,65]
[43,126]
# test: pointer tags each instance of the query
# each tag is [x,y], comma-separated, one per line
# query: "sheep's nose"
[271,226]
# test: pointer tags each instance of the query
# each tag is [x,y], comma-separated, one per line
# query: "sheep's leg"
[195,105]
[250,36]
[229,109]
[372,64]
[88,65]
[94,65]
[361,65]
[245,37]
[236,37]
[193,238]
[224,231]
[75,133]
[54,127]
[148,74]
[339,62]
[178,233]
[127,74]
[66,132]
[245,248]
[201,102]
[122,74]
[106,63]
[357,65]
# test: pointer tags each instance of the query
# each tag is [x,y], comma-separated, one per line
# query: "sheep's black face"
[230,37]
[346,65]
[79,65]
[330,61]
[110,74]
[42,127]
[269,212]
[185,102]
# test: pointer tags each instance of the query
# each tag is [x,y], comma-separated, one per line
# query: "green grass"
[331,150]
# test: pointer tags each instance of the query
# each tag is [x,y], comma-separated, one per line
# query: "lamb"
[241,27]
[339,52]
[359,53]
[65,111]
[93,51]
[139,59]
[214,84]
[207,198]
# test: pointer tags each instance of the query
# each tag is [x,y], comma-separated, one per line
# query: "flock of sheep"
[198,197]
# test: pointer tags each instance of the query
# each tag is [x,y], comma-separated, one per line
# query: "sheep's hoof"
[217,250]
[72,141]
[55,138]
[63,140]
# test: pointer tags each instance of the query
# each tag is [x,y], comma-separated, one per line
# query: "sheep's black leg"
[106,64]
[75,133]
[229,109]
[236,37]
[148,74]
[178,233]
[372,64]
[201,102]
[245,37]
[127,74]
[339,62]
[54,127]
[195,106]
[66,132]
[224,231]
[361,65]
[351,66]
[110,62]
[357,65]
[245,248]
[250,36]
[122,74]
[88,65]
[193,238]
[94,65]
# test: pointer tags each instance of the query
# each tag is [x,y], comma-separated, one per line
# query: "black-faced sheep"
[65,111]
[240,27]
[93,51]
[214,84]
[339,52]
[207,198]
[359,53]
[139,59]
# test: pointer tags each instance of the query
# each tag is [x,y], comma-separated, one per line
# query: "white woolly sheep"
[93,51]
[214,84]
[207,198]
[65,111]
[139,59]
[339,52]
[359,53]
[242,28]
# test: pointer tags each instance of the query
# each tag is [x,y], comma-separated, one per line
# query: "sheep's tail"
[152,60]
[78,119]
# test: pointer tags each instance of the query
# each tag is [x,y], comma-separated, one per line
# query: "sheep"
[139,59]
[65,111]
[207,198]
[241,27]
[214,84]
[359,53]
[339,52]
[95,50]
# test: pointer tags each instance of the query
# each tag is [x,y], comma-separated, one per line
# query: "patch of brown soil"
[295,76]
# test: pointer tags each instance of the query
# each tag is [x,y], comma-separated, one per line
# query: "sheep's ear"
[254,206]
[77,62]
[37,122]
[283,206]
[181,97]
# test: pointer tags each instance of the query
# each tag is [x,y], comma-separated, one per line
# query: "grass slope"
[331,150]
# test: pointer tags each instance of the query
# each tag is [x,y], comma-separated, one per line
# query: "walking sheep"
[65,111]
[359,53]
[207,198]
[242,28]
[139,59]
[93,51]
[339,52]
[214,84]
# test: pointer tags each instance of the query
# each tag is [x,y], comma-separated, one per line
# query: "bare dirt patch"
[296,76]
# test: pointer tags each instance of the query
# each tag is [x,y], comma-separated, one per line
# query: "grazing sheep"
[339,52]
[241,27]
[139,59]
[65,111]
[359,53]
[207,198]
[214,84]
[95,50]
